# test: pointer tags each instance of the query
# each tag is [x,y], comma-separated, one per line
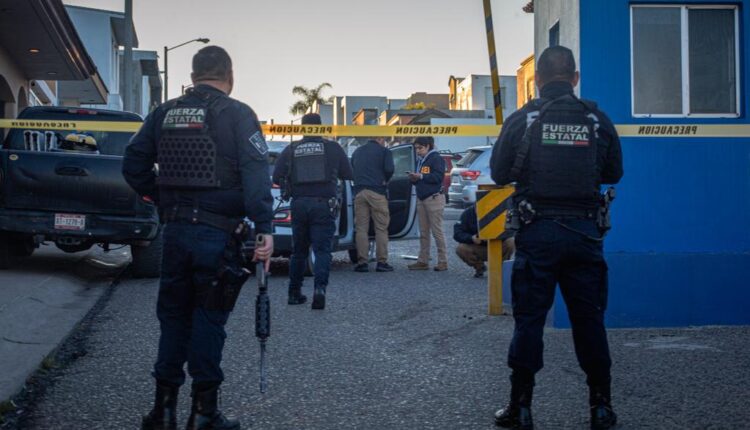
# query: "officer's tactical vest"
[188,149]
[309,162]
[557,160]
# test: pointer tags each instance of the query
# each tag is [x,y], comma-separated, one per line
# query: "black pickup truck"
[66,187]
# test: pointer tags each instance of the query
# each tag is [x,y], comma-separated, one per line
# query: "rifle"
[262,315]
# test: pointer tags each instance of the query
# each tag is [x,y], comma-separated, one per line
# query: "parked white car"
[473,170]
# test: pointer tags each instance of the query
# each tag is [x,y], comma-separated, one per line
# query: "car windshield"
[469,157]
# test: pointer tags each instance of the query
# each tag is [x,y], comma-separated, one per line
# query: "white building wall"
[350,105]
[16,80]
[475,93]
[95,29]
[568,13]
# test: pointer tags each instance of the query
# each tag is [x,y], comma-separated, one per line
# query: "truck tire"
[23,245]
[146,260]
[5,251]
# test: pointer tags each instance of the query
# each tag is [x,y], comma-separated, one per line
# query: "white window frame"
[685,66]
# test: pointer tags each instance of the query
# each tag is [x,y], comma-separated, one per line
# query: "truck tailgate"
[66,182]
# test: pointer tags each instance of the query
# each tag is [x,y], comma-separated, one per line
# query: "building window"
[685,61]
[554,34]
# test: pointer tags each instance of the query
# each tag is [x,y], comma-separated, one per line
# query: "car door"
[402,196]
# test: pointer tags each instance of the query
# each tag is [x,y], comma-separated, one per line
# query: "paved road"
[41,299]
[404,350]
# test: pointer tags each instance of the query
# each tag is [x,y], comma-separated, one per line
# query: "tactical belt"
[199,216]
[565,213]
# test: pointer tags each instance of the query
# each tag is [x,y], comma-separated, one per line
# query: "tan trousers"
[473,255]
[430,212]
[369,204]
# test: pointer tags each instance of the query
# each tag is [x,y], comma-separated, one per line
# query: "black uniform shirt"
[373,167]
[504,152]
[432,169]
[336,160]
[466,227]
[235,126]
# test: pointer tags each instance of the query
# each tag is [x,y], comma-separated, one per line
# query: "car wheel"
[353,256]
[146,260]
[5,251]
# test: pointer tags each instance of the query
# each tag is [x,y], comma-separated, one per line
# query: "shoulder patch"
[425,170]
[259,142]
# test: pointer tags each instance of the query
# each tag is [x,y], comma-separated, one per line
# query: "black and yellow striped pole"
[492,207]
[493,63]
[488,202]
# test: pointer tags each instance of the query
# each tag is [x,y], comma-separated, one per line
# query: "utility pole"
[495,195]
[128,58]
[166,74]
[493,63]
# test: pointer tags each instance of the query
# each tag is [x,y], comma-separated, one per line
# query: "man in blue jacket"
[373,167]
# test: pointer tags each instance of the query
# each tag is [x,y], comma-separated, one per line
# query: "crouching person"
[471,249]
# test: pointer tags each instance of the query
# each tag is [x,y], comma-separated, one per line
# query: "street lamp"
[166,66]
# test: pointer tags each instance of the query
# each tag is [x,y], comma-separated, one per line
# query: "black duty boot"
[296,297]
[517,415]
[319,298]
[600,401]
[163,415]
[204,413]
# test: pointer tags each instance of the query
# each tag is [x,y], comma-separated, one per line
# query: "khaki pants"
[473,255]
[369,204]
[430,212]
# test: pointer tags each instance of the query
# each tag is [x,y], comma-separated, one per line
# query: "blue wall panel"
[668,290]
[679,251]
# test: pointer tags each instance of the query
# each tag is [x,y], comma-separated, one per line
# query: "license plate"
[70,222]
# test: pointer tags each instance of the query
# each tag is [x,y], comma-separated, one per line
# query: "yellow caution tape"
[41,124]
[683,130]
[381,130]
[628,130]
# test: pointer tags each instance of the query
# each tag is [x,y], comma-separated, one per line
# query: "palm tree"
[309,97]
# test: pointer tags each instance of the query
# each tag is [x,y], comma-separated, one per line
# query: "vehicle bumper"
[469,194]
[99,228]
[282,241]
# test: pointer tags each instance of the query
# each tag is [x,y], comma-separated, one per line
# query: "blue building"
[679,250]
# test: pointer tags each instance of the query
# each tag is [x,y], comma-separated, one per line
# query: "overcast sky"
[386,48]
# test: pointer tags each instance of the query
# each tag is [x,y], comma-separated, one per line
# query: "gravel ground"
[402,350]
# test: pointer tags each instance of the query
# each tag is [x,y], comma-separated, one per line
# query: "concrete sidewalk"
[41,301]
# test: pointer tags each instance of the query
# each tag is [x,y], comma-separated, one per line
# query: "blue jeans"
[547,254]
[312,224]
[191,257]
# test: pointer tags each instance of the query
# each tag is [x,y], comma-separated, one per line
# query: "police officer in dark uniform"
[312,167]
[213,172]
[559,150]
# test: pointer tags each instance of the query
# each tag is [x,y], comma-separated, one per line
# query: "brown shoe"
[441,267]
[419,266]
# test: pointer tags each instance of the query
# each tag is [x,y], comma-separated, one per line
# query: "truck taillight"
[470,175]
